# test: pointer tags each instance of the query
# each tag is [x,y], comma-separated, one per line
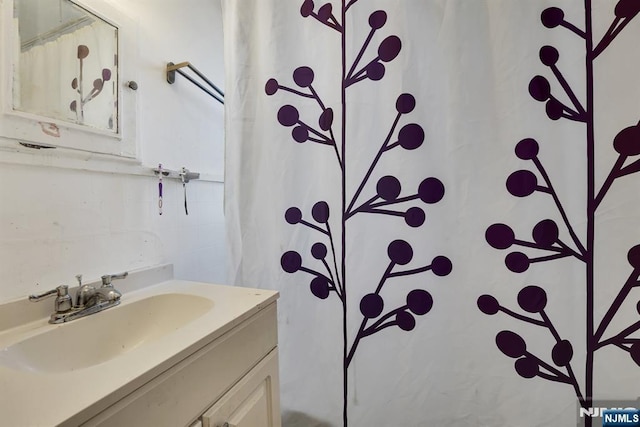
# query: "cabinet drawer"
[253,402]
[179,395]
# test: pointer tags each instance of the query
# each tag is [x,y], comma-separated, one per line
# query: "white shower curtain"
[444,194]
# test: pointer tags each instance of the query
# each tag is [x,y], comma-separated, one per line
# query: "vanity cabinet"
[233,380]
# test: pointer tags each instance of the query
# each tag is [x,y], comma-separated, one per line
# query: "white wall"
[56,222]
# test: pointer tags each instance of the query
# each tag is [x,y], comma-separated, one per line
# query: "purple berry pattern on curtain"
[547,234]
[386,200]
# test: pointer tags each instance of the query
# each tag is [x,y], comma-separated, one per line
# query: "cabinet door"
[253,402]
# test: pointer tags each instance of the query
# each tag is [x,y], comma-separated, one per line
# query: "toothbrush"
[183,174]
[160,188]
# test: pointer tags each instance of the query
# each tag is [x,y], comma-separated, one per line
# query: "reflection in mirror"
[66,66]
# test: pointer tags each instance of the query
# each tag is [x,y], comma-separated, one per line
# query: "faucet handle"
[79,279]
[59,291]
[107,278]
[63,299]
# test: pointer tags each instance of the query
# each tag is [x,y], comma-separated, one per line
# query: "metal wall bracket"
[183,174]
[172,69]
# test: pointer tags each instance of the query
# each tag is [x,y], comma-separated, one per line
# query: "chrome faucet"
[89,299]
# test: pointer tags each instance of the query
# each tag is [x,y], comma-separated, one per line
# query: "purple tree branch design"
[387,199]
[77,105]
[546,234]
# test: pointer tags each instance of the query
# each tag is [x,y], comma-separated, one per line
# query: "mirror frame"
[32,129]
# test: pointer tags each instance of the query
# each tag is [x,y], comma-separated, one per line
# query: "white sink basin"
[98,360]
[103,336]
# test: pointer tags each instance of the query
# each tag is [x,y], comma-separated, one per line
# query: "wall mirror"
[78,52]
[66,64]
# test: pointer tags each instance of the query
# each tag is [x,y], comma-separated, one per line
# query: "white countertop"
[32,399]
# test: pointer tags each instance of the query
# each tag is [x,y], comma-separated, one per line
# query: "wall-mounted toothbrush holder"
[184,174]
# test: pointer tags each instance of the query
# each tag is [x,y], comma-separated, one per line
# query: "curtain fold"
[445,195]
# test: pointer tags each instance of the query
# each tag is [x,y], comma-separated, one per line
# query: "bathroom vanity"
[176,353]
